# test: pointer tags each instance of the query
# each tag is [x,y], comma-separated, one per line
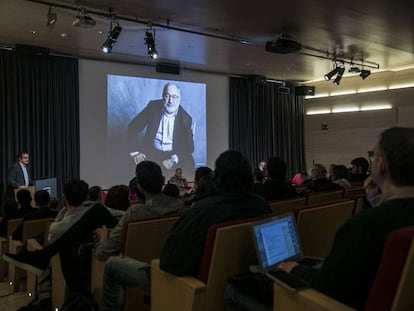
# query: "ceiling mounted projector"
[283,46]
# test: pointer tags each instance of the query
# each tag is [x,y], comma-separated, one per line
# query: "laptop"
[277,240]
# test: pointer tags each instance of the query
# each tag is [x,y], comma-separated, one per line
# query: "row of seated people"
[276,187]
[346,274]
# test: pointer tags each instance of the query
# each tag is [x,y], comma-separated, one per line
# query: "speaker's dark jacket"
[15,177]
[145,125]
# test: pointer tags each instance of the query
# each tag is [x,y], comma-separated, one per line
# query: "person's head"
[202,171]
[340,172]
[75,192]
[94,194]
[276,168]
[394,157]
[318,171]
[205,185]
[42,198]
[359,166]
[172,97]
[9,207]
[23,157]
[149,177]
[171,190]
[24,197]
[261,165]
[117,197]
[178,172]
[233,173]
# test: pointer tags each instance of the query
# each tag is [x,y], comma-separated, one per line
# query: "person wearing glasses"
[162,132]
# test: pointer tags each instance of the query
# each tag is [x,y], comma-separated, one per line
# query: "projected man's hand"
[138,158]
[170,162]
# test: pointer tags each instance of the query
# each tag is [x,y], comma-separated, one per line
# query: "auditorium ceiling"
[223,36]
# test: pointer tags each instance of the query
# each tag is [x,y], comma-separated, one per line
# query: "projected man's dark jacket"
[142,130]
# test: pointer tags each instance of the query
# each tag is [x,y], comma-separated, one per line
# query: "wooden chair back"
[353,192]
[317,226]
[283,206]
[231,253]
[324,197]
[12,224]
[143,241]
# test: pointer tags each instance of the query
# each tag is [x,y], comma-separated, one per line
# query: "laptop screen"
[276,240]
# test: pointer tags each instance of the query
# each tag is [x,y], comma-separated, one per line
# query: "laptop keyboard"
[288,279]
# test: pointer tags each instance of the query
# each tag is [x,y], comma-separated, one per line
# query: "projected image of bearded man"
[162,132]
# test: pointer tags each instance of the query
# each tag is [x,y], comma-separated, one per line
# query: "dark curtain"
[39,113]
[265,123]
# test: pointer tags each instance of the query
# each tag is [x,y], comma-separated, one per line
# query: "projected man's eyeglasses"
[173,97]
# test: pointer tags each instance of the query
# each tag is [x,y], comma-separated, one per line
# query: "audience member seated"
[117,200]
[134,194]
[157,204]
[258,178]
[261,170]
[42,210]
[318,181]
[276,186]
[171,190]
[300,178]
[9,210]
[359,169]
[182,251]
[340,175]
[203,185]
[94,196]
[179,181]
[24,199]
[68,234]
[348,271]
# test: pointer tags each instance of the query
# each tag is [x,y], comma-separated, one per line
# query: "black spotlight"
[364,74]
[150,42]
[330,74]
[111,39]
[51,17]
[339,76]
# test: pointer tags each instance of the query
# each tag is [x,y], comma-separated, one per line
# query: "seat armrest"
[305,300]
[33,245]
[170,292]
[97,270]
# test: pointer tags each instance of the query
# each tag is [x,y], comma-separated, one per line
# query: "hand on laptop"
[287,265]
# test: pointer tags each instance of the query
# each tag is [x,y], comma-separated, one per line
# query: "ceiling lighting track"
[318,53]
[145,22]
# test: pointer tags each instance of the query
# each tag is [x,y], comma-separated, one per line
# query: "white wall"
[353,134]
[93,115]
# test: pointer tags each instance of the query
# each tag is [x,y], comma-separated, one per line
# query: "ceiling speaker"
[168,68]
[305,90]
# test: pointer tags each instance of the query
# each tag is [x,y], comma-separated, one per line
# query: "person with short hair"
[359,170]
[340,175]
[18,175]
[157,204]
[276,186]
[183,248]
[349,270]
[179,181]
[318,180]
